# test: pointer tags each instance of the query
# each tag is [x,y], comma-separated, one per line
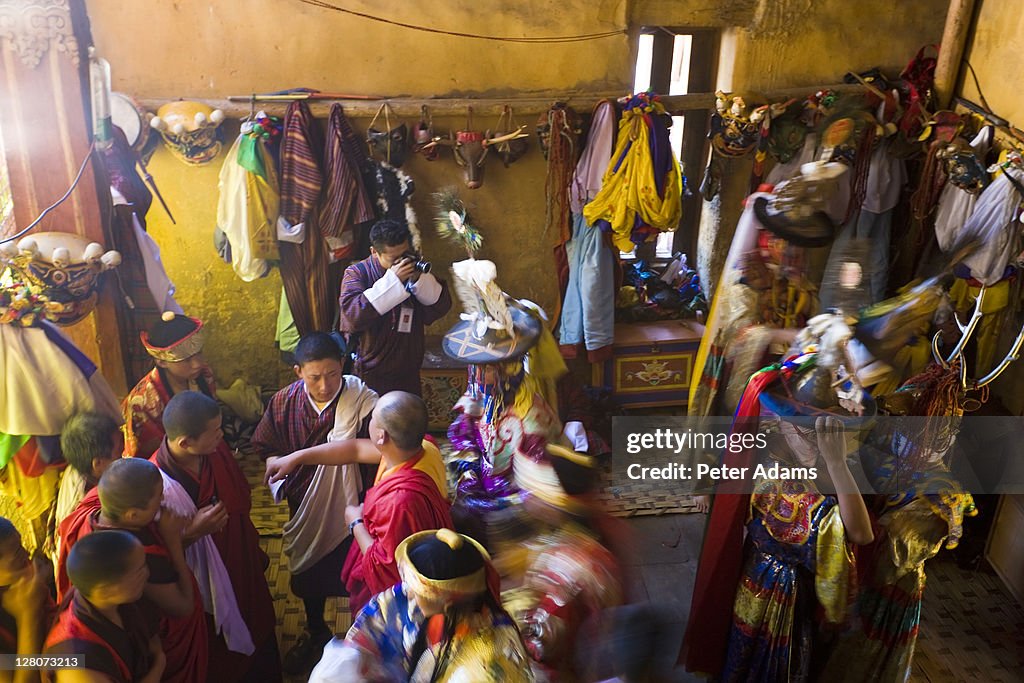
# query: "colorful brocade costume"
[486,646]
[797,559]
[571,578]
[485,448]
[143,409]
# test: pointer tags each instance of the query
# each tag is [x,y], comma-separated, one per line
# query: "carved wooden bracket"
[31,28]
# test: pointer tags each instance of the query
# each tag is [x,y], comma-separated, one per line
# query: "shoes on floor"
[306,652]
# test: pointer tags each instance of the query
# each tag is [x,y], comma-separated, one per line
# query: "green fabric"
[287,335]
[250,156]
[9,445]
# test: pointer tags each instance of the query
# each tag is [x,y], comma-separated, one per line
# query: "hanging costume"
[248,208]
[588,312]
[143,407]
[183,639]
[345,203]
[641,191]
[228,565]
[46,380]
[141,274]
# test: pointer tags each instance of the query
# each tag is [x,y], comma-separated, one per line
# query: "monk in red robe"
[128,497]
[324,404]
[25,604]
[103,621]
[385,304]
[203,482]
[404,500]
[176,344]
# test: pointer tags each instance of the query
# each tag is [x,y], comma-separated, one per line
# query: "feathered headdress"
[494,327]
[453,221]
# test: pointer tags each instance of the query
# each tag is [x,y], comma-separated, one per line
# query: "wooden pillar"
[45,123]
[951,51]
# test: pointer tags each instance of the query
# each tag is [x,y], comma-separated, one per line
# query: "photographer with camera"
[386,301]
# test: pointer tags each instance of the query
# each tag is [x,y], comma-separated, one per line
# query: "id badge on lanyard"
[405,319]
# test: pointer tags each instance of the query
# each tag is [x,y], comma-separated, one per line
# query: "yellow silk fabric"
[835,567]
[631,190]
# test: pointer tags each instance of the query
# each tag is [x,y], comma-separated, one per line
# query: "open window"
[678,61]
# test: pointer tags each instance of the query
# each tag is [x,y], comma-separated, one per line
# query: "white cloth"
[42,387]
[577,435]
[782,172]
[207,566]
[955,204]
[339,664]
[886,177]
[992,222]
[386,293]
[318,526]
[157,281]
[427,289]
[286,232]
[589,173]
[233,216]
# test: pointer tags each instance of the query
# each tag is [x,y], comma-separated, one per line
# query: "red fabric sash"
[74,526]
[721,557]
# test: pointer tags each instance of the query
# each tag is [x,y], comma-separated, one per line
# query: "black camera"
[418,262]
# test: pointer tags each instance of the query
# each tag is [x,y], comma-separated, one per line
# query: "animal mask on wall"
[471,147]
[389,144]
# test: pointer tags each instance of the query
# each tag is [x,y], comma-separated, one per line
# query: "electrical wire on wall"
[507,39]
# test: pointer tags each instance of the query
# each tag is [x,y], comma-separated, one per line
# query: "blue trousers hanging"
[588,312]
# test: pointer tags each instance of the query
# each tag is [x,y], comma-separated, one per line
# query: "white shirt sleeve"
[577,435]
[386,293]
[427,289]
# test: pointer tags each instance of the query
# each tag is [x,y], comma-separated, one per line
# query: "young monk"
[406,498]
[203,483]
[128,497]
[89,442]
[103,620]
[25,605]
[176,345]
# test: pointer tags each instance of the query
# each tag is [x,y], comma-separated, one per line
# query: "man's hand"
[352,513]
[404,268]
[209,520]
[280,467]
[171,526]
[831,440]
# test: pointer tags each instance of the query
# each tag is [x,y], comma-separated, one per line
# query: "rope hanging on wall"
[460,34]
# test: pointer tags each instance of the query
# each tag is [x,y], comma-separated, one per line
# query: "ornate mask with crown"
[62,267]
[189,130]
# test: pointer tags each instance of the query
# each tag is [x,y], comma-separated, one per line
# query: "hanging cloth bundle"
[248,207]
[641,193]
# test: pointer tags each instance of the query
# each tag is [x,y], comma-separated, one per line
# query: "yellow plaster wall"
[995,49]
[208,48]
[240,315]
